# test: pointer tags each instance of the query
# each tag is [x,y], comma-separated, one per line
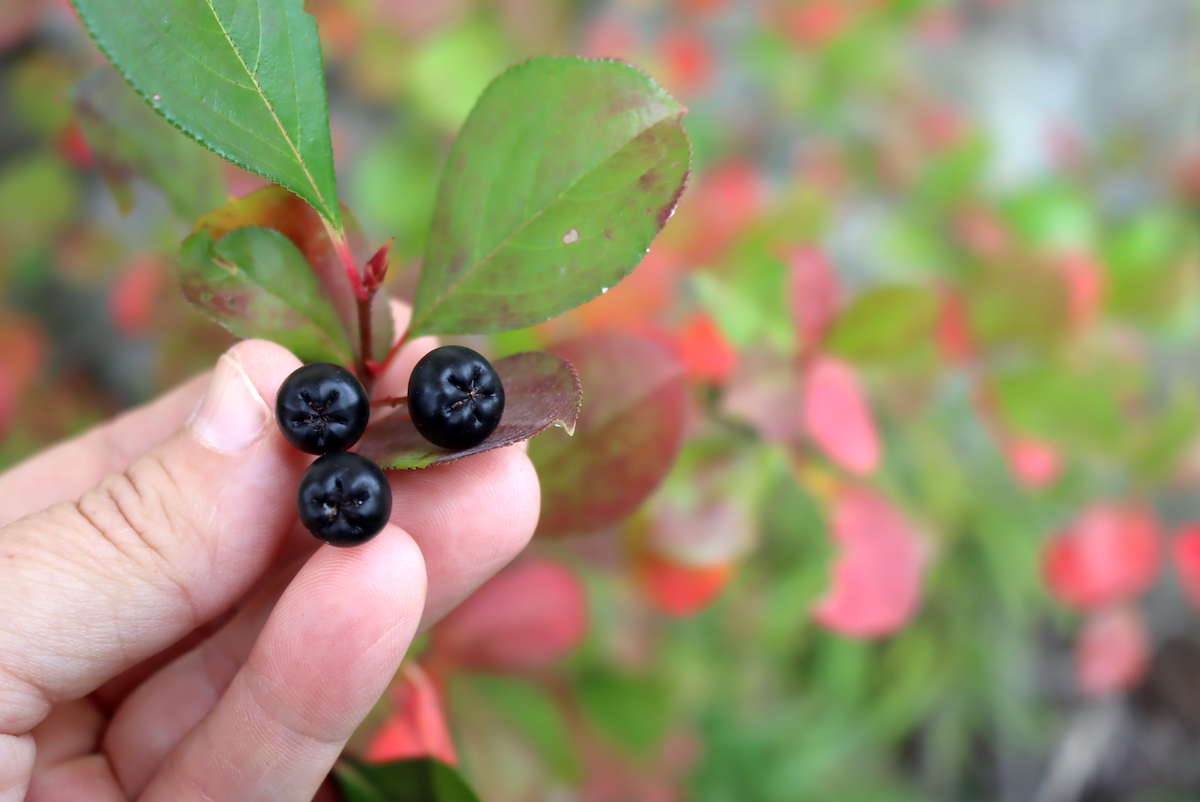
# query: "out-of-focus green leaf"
[452,68]
[1054,215]
[632,711]
[244,79]
[531,711]
[394,183]
[561,177]
[423,780]
[38,195]
[128,139]
[1062,406]
[256,283]
[885,323]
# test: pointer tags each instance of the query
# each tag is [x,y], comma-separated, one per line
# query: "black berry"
[321,408]
[344,499]
[455,397]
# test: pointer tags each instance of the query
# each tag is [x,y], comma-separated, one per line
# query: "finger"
[88,778]
[71,730]
[325,656]
[469,518]
[93,587]
[63,472]
[154,718]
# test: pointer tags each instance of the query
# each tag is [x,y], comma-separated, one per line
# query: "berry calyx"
[344,499]
[455,397]
[321,408]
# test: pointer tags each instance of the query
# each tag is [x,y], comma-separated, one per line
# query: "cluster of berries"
[455,400]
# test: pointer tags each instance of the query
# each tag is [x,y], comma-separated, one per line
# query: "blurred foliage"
[1024,343]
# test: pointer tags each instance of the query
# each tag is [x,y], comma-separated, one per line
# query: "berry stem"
[390,401]
[400,343]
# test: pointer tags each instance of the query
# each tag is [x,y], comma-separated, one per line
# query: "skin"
[167,630]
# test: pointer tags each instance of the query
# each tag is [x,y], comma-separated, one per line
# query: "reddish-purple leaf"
[629,433]
[837,417]
[813,295]
[274,207]
[1112,652]
[541,390]
[876,583]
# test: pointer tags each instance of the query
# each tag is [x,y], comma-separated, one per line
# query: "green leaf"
[884,323]
[256,283]
[423,780]
[562,175]
[541,390]
[275,208]
[128,139]
[633,711]
[242,78]
[630,431]
[1080,409]
[531,710]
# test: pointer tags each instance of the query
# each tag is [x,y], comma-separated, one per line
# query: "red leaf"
[1112,652]
[837,418]
[688,61]
[540,389]
[764,391]
[1084,278]
[678,589]
[610,37]
[1034,464]
[814,296]
[876,582]
[524,618]
[1108,554]
[1185,548]
[954,329]
[815,22]
[724,203]
[647,292]
[629,433]
[22,352]
[706,354]
[416,726]
[134,291]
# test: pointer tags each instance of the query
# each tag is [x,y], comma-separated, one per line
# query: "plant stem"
[365,374]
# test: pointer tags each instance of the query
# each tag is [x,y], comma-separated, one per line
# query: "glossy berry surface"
[344,499]
[321,408]
[455,397]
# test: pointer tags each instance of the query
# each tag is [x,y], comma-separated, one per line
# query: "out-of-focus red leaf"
[17,21]
[133,293]
[981,231]
[1185,548]
[813,295]
[688,61]
[702,6]
[703,349]
[1113,651]
[524,618]
[837,417]
[1084,279]
[954,329]
[815,22]
[629,432]
[74,147]
[541,390]
[1034,464]
[416,726]
[678,589]
[723,204]
[876,583]
[22,352]
[938,26]
[610,37]
[764,391]
[1109,554]
[420,18]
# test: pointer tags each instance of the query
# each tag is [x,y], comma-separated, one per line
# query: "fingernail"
[232,414]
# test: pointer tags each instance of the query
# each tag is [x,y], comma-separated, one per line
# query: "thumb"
[90,588]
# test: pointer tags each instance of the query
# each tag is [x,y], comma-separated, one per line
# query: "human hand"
[167,630]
